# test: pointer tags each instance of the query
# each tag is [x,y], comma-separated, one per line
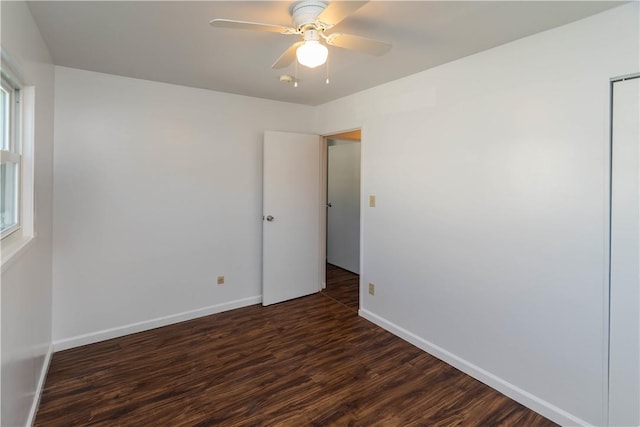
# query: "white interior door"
[343,216]
[293,213]
[624,350]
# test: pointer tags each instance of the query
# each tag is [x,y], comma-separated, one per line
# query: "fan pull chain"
[295,81]
[327,81]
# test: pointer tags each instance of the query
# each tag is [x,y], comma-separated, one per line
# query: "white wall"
[158,191]
[488,244]
[26,280]
[343,217]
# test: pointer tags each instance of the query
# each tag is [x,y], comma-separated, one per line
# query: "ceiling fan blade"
[287,57]
[338,10]
[245,25]
[359,44]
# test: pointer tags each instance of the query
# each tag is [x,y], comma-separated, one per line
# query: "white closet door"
[343,217]
[624,362]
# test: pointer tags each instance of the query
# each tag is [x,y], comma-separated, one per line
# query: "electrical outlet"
[372,289]
[220,280]
[372,201]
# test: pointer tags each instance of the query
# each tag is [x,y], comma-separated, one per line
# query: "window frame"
[13,151]
[15,244]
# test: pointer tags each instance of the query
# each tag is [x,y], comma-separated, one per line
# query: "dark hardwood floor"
[310,361]
[343,286]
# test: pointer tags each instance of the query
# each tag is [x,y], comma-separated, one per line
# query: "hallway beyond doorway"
[342,286]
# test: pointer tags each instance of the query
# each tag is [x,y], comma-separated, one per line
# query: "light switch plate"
[372,201]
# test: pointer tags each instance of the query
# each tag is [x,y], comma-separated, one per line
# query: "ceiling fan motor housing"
[305,13]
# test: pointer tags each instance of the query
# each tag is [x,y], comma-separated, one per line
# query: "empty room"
[389,213]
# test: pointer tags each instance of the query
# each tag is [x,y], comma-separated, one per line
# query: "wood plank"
[343,286]
[309,361]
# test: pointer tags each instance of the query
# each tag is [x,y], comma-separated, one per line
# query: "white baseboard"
[521,396]
[133,328]
[39,387]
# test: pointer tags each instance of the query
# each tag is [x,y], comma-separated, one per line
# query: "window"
[11,161]
[17,145]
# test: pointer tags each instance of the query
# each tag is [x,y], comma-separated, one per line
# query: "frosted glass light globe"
[312,53]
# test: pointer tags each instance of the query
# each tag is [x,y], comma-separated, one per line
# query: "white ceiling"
[172,41]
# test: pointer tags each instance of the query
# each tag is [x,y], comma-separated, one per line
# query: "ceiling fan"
[311,19]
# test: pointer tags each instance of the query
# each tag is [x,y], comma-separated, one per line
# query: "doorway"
[343,218]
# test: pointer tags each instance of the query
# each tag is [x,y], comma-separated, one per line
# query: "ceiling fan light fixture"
[312,54]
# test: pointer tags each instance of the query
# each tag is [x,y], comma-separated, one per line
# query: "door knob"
[269,218]
[329,205]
